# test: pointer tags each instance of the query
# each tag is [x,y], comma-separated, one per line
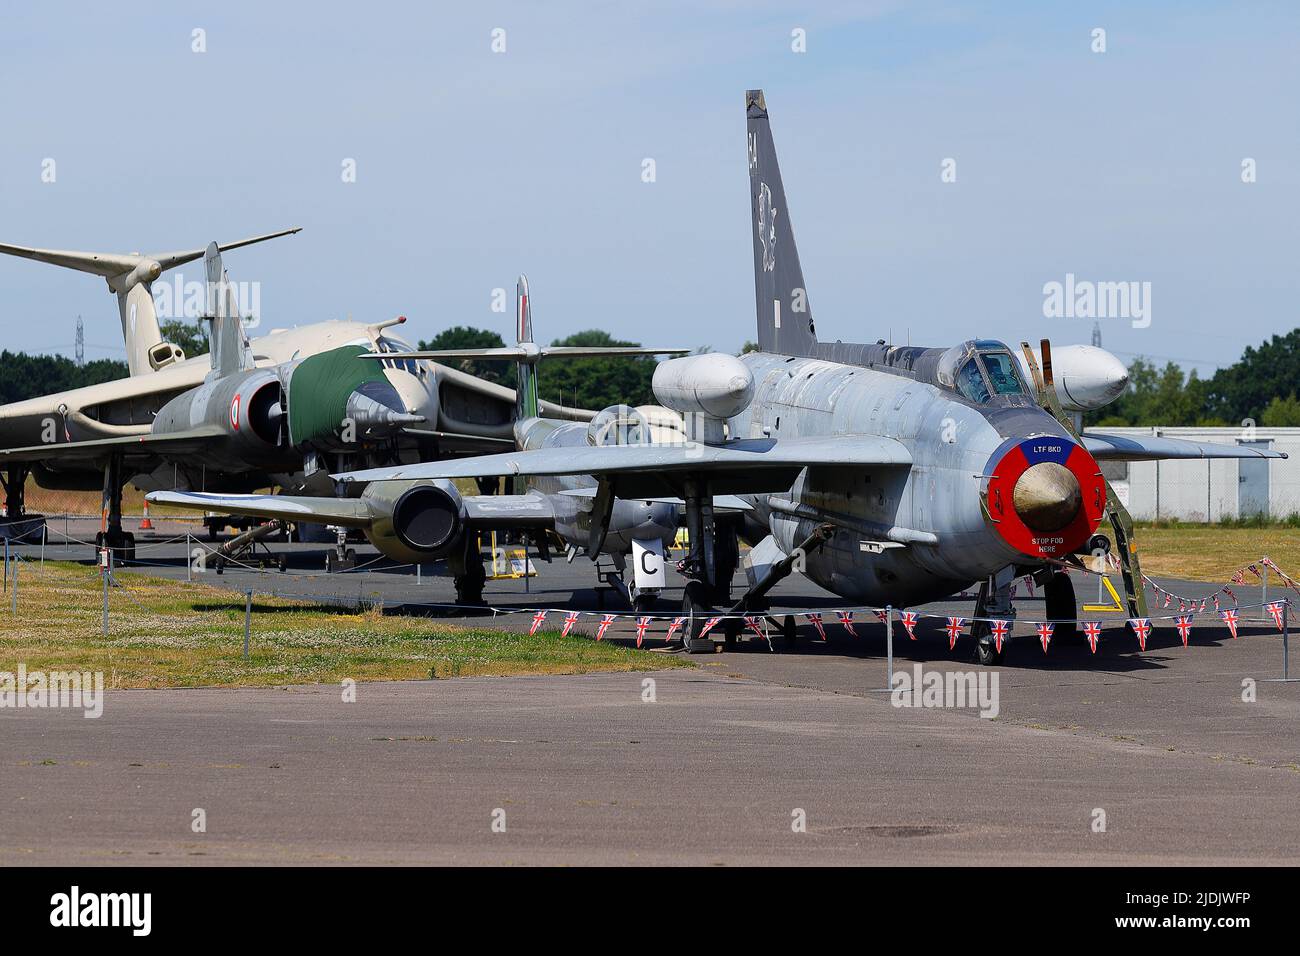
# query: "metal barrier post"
[418,568]
[6,587]
[1286,635]
[189,559]
[15,607]
[889,644]
[67,542]
[45,533]
[103,573]
[248,613]
[1264,578]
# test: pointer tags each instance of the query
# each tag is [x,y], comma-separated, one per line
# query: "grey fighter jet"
[897,475]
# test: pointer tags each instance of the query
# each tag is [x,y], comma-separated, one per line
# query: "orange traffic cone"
[146,524]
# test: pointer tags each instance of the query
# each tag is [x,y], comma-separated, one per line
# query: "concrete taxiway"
[717,768]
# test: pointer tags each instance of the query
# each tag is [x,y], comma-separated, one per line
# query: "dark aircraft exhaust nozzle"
[1047,497]
[428,518]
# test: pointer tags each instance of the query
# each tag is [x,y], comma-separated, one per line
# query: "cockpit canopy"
[982,370]
[618,425]
[395,346]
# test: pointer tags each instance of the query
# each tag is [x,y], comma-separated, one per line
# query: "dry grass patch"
[165,633]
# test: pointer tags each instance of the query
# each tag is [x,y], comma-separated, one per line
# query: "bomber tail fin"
[785,320]
[131,277]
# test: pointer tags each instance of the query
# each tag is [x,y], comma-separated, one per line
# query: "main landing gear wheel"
[121,544]
[643,603]
[696,607]
[789,632]
[1058,598]
[986,652]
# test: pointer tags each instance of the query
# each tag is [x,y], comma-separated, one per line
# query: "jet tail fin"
[131,277]
[227,343]
[785,320]
[526,387]
[526,353]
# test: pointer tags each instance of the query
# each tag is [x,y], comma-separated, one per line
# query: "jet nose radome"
[377,405]
[1114,377]
[1047,497]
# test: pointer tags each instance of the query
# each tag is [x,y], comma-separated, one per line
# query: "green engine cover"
[319,387]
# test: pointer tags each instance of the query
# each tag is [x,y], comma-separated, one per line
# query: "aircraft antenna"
[81,343]
[1096,334]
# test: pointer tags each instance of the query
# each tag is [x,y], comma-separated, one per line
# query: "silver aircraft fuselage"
[905,536]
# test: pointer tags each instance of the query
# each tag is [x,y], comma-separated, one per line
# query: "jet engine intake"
[1045,496]
[416,520]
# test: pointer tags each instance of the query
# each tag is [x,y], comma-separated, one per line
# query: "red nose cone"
[1046,496]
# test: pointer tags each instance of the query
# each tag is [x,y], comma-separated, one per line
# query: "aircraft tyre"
[696,606]
[986,652]
[1058,599]
[731,633]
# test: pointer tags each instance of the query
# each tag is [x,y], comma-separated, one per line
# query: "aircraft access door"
[1252,481]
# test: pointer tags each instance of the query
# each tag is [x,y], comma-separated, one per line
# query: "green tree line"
[593,383]
[1262,385]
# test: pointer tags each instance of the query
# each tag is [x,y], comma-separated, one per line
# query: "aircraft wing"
[128,446]
[645,471]
[348,512]
[482,512]
[1151,448]
[720,502]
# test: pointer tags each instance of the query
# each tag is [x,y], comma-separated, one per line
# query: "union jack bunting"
[1230,618]
[570,619]
[1216,602]
[1278,612]
[1000,629]
[1184,624]
[538,618]
[846,618]
[955,625]
[1142,628]
[642,623]
[816,620]
[605,622]
[882,616]
[1045,634]
[674,627]
[909,622]
[709,625]
[1029,585]
[752,624]
[1092,630]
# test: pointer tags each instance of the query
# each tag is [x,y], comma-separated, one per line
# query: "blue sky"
[474,166]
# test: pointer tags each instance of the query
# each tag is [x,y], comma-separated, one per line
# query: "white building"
[1210,490]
